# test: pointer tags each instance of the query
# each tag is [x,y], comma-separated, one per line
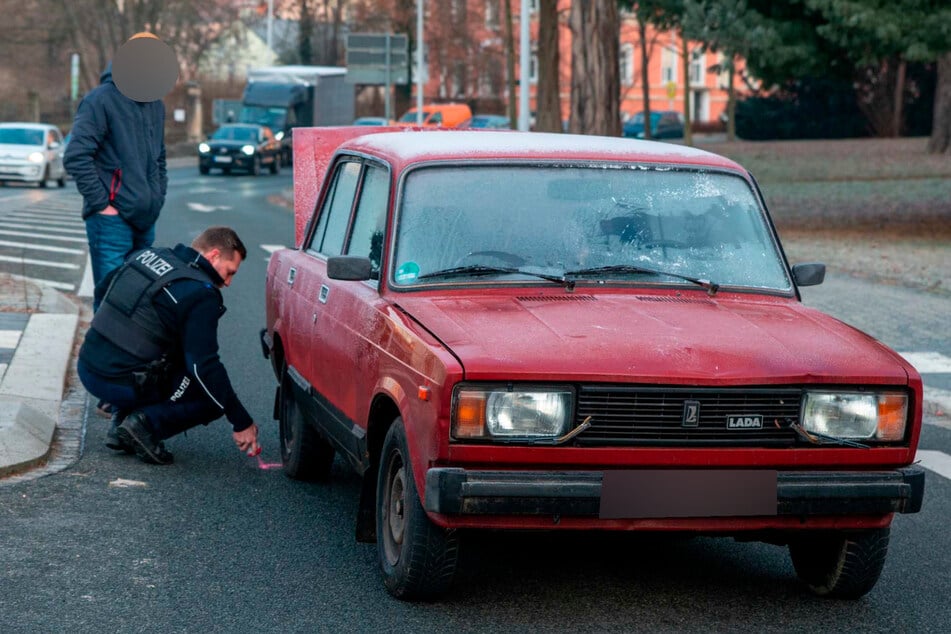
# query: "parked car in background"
[371,121]
[240,146]
[665,124]
[530,331]
[438,115]
[488,122]
[32,152]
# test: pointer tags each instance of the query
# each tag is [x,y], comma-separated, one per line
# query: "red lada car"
[527,331]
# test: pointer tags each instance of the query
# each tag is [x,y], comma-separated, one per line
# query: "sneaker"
[134,430]
[113,441]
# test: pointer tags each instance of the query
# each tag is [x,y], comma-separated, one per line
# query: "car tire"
[203,169]
[276,164]
[417,558]
[840,565]
[256,166]
[225,170]
[305,455]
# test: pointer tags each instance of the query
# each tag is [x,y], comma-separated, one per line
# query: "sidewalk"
[38,327]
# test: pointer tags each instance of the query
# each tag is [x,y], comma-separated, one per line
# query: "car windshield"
[410,117]
[235,133]
[594,223]
[21,136]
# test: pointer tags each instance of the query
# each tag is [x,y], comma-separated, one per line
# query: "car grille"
[656,416]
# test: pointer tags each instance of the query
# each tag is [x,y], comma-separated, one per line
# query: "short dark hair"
[222,238]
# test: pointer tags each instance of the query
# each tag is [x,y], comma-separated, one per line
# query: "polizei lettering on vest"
[151,261]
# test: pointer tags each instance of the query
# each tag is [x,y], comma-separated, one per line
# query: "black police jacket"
[187,308]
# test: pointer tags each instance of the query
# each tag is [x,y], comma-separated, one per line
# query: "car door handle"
[324,292]
[291,276]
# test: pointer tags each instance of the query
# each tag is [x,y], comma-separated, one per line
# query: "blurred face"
[226,267]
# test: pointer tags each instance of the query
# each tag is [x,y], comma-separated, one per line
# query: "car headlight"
[859,415]
[247,149]
[35,157]
[204,148]
[511,412]
[279,135]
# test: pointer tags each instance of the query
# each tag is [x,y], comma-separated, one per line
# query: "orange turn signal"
[892,414]
[470,415]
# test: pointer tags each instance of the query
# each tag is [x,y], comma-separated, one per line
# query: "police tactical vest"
[127,316]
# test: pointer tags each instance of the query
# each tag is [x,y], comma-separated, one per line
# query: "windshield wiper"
[481,269]
[712,287]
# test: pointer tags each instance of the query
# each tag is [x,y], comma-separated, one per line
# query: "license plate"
[222,159]
[666,493]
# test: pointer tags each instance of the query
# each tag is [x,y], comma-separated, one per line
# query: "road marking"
[207,208]
[48,213]
[62,286]
[45,236]
[271,248]
[86,287]
[928,362]
[9,338]
[936,461]
[39,247]
[58,265]
[28,216]
[17,225]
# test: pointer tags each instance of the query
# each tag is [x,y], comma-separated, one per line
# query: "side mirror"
[349,267]
[809,274]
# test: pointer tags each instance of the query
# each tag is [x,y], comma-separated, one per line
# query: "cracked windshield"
[575,220]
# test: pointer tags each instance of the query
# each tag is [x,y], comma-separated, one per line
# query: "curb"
[32,389]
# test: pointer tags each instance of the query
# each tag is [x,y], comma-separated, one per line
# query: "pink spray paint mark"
[267,465]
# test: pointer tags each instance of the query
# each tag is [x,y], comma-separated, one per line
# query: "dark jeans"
[111,240]
[170,409]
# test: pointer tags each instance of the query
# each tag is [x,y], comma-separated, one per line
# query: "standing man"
[152,347]
[117,152]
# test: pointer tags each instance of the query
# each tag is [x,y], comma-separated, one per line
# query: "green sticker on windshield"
[407,273]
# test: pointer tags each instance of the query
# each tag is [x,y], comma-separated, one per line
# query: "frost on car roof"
[420,145]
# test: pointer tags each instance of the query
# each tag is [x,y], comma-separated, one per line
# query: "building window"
[533,6]
[533,68]
[627,64]
[697,68]
[492,14]
[668,65]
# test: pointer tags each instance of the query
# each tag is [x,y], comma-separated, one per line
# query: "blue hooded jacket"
[116,154]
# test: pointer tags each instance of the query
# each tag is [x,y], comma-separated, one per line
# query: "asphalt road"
[217,544]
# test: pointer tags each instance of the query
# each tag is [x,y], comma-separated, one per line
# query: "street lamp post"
[419,62]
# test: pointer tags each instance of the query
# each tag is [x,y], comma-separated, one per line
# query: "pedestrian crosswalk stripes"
[928,362]
[935,461]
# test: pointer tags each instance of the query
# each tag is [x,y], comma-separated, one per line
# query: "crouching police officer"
[152,347]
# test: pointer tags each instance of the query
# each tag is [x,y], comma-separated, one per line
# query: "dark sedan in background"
[665,124]
[240,146]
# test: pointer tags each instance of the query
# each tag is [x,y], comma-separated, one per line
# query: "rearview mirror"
[809,274]
[349,267]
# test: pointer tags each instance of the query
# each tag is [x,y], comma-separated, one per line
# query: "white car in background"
[32,152]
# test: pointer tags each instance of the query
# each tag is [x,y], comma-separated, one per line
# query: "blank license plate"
[222,159]
[664,493]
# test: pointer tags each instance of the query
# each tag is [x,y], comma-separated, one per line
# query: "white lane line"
[9,338]
[207,208]
[936,461]
[86,287]
[60,286]
[271,248]
[58,265]
[24,225]
[39,247]
[29,216]
[45,236]
[928,362]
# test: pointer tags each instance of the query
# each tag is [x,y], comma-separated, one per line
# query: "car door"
[352,322]
[326,371]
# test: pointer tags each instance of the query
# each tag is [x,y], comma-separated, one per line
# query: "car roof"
[403,148]
[27,124]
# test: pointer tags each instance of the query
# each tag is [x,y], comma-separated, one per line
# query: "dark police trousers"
[171,406]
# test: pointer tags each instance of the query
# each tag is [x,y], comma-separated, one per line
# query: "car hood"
[17,152]
[219,143]
[653,338]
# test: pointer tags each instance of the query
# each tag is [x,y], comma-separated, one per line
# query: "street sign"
[368,54]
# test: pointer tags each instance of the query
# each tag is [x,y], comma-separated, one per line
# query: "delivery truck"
[285,97]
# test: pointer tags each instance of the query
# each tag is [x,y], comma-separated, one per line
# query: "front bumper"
[679,493]
[21,171]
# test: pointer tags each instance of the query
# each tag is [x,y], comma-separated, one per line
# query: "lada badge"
[691,414]
[751,421]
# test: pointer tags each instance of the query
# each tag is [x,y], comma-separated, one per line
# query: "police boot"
[135,430]
[113,441]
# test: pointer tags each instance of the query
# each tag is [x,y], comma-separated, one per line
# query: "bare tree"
[595,75]
[548,99]
[940,141]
